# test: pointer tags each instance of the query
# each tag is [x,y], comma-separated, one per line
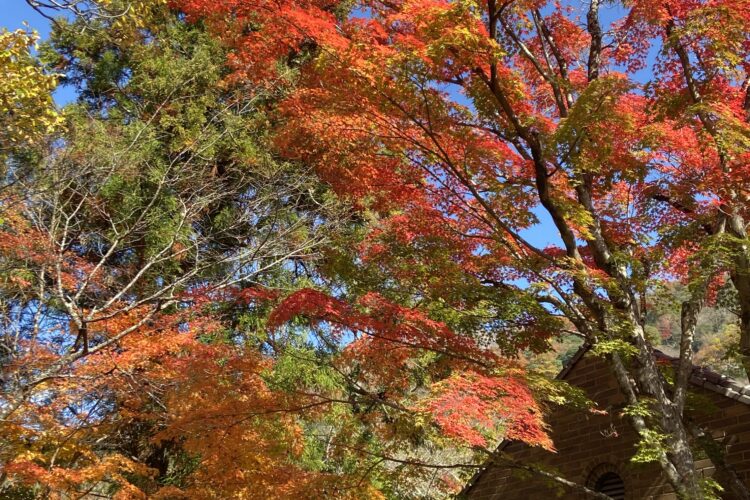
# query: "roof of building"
[701,376]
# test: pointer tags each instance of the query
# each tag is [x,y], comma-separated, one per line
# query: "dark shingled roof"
[712,381]
[701,376]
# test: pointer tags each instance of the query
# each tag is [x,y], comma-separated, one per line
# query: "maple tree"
[150,347]
[459,125]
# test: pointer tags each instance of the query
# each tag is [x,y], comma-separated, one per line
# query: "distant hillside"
[717,334]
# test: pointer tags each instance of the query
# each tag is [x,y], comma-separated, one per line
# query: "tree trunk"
[677,460]
[725,475]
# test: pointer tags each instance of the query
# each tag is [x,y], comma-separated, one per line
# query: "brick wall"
[586,442]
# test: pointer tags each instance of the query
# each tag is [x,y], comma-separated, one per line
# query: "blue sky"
[15,12]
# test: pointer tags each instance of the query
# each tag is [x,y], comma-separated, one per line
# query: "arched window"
[611,485]
[604,478]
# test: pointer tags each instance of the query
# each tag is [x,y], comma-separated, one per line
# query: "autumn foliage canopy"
[350,225]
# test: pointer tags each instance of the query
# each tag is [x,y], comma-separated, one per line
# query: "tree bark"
[725,474]
[676,461]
